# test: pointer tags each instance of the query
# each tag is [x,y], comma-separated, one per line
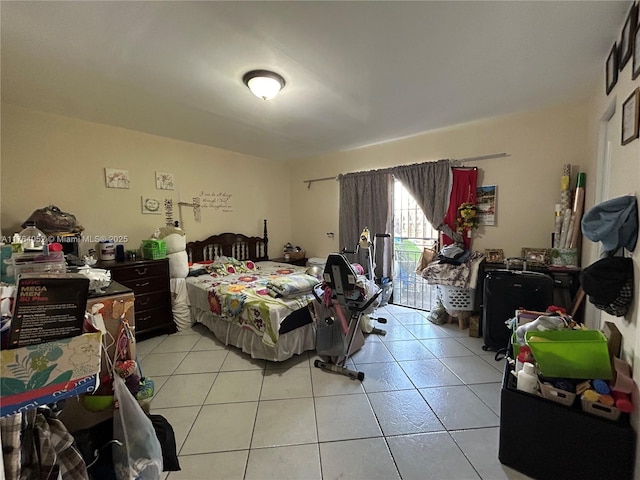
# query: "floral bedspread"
[238,293]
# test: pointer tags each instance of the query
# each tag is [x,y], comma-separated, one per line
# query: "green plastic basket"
[154,249]
[571,353]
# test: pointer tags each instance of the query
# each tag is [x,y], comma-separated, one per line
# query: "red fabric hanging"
[465,181]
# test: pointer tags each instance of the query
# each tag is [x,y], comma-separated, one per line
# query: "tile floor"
[428,407]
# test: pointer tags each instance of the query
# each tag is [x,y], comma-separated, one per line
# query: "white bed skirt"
[291,343]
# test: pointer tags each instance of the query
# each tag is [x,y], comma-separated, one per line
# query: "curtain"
[465,182]
[430,185]
[365,201]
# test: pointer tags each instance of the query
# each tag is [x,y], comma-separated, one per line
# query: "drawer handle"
[141,271]
[144,301]
[144,319]
[142,284]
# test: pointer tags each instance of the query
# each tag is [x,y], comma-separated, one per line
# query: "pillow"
[239,266]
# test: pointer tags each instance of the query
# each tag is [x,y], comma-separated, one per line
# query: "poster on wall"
[486,199]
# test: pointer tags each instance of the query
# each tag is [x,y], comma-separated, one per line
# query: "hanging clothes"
[465,181]
[36,445]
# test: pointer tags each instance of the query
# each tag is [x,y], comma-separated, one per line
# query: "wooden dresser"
[149,280]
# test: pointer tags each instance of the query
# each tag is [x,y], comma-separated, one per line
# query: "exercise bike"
[343,302]
[369,248]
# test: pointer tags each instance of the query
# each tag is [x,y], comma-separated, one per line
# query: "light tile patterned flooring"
[428,407]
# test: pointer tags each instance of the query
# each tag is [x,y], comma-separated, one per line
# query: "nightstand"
[149,280]
[300,262]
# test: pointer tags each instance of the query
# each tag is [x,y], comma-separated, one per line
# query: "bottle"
[32,238]
[527,379]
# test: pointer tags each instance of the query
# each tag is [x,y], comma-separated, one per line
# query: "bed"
[247,301]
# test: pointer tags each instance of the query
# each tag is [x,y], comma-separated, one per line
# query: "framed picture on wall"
[486,200]
[630,113]
[635,69]
[612,69]
[151,205]
[164,181]
[626,38]
[116,178]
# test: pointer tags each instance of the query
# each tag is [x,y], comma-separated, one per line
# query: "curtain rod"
[309,182]
[454,162]
[458,161]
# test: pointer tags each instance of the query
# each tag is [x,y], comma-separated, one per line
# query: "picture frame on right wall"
[630,114]
[611,69]
[627,36]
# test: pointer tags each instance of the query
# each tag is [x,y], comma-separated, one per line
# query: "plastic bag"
[139,454]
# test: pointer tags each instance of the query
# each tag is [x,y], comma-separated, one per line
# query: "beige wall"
[48,159]
[624,179]
[528,182]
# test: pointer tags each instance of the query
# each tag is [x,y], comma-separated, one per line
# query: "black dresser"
[149,280]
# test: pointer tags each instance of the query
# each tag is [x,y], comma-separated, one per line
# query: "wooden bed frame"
[236,245]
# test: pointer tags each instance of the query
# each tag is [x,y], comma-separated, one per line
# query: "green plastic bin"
[571,354]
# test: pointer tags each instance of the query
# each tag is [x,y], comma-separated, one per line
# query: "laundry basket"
[457,299]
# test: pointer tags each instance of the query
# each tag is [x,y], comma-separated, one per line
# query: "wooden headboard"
[236,245]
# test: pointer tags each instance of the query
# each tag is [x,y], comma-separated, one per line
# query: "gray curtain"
[365,201]
[430,185]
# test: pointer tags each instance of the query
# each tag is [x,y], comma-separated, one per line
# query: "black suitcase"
[504,292]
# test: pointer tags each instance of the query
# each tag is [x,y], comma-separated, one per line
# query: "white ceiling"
[358,73]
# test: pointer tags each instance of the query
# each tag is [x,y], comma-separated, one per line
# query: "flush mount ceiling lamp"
[263,83]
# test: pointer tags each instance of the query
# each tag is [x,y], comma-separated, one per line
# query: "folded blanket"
[290,286]
[461,276]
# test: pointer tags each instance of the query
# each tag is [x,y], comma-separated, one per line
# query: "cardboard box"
[40,374]
[474,326]
[614,339]
[48,306]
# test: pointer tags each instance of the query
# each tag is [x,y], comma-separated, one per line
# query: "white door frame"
[603,171]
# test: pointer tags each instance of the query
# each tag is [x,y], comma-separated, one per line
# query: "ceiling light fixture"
[263,83]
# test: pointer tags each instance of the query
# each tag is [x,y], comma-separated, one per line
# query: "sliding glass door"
[411,233]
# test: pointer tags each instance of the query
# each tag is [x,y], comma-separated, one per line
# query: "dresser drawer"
[155,318]
[146,301]
[147,285]
[129,273]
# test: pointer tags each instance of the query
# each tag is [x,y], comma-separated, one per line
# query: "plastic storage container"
[107,250]
[38,263]
[32,238]
[571,353]
[154,249]
[557,395]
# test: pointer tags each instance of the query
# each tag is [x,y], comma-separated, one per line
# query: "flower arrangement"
[467,217]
